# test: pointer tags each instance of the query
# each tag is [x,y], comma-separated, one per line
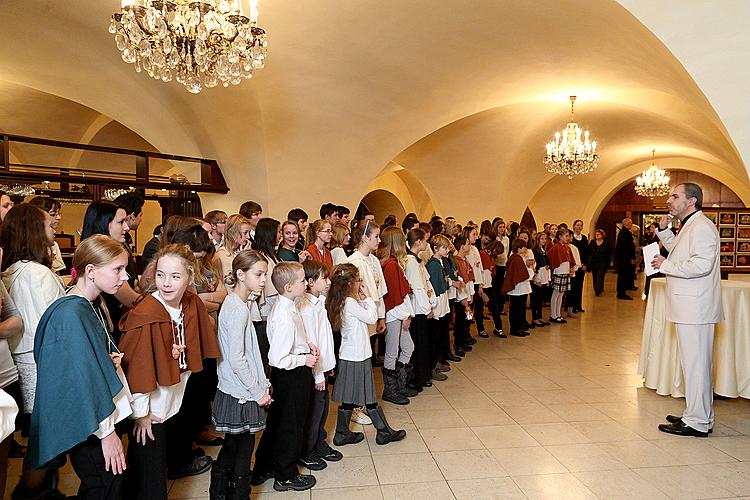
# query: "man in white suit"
[693,303]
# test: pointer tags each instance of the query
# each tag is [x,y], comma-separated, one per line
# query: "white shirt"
[163,402]
[576,256]
[123,408]
[423,296]
[502,259]
[8,412]
[338,255]
[8,371]
[476,262]
[372,275]
[355,336]
[524,287]
[286,334]
[319,332]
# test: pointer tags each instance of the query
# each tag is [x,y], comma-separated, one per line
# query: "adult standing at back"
[693,303]
[581,242]
[625,258]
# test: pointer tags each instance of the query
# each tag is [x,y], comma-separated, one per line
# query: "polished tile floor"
[560,414]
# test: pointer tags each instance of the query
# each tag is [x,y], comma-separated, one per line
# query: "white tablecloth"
[659,362]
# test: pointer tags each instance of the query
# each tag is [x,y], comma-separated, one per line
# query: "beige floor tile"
[362,493]
[532,414]
[524,461]
[477,417]
[423,401]
[535,383]
[193,486]
[584,457]
[693,451]
[512,397]
[578,412]
[273,495]
[504,436]
[468,464]
[436,419]
[461,438]
[683,482]
[738,447]
[621,410]
[556,433]
[349,472]
[553,486]
[555,396]
[595,395]
[406,468]
[495,488]
[438,490]
[619,485]
[734,477]
[463,401]
[640,454]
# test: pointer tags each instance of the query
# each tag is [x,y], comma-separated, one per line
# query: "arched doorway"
[382,203]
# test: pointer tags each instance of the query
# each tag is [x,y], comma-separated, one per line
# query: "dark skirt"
[233,417]
[354,383]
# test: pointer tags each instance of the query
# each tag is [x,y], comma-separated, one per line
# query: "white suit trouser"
[696,345]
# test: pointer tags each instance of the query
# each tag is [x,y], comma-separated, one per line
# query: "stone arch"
[383,203]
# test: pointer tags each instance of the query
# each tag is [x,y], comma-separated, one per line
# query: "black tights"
[351,406]
[236,452]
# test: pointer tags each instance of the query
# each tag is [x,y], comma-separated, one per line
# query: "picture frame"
[743,219]
[726,233]
[727,218]
[726,260]
[743,260]
[713,217]
[743,246]
[727,247]
[743,233]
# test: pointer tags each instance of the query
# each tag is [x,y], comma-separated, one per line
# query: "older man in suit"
[693,303]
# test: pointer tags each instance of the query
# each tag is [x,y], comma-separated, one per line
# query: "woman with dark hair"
[25,237]
[267,238]
[54,209]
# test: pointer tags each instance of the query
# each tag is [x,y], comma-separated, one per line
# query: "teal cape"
[76,379]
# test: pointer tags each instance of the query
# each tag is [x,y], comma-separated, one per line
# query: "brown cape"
[395,281]
[147,339]
[515,272]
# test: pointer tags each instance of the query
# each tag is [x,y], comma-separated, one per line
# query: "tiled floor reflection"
[560,414]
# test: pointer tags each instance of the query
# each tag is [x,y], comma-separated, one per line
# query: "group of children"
[241,311]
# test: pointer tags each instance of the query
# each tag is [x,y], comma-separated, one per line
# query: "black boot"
[390,388]
[410,383]
[402,378]
[220,488]
[240,487]
[385,434]
[343,434]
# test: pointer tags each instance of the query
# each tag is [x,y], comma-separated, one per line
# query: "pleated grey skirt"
[233,417]
[354,383]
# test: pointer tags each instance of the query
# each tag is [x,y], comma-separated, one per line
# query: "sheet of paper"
[649,252]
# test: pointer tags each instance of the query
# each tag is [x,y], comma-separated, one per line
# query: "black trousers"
[625,278]
[281,444]
[494,305]
[440,341]
[537,299]
[597,275]
[147,466]
[88,463]
[187,421]
[497,284]
[420,358]
[315,428]
[517,313]
[460,325]
[263,344]
[478,310]
[575,296]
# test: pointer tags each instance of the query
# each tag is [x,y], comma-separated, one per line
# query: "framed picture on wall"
[743,246]
[743,233]
[726,260]
[727,247]
[713,216]
[744,219]
[743,260]
[726,233]
[727,218]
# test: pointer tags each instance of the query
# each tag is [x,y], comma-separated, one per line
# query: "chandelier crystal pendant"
[653,182]
[571,152]
[199,43]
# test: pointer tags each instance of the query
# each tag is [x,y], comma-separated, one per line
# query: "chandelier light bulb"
[572,152]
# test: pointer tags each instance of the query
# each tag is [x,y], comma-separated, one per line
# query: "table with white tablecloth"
[660,363]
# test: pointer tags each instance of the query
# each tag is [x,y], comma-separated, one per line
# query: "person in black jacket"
[625,257]
[599,257]
[581,242]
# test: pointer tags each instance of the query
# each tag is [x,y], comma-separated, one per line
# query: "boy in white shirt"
[291,358]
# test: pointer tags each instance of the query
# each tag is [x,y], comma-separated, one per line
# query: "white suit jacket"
[692,271]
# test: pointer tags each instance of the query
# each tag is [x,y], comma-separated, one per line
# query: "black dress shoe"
[484,335]
[674,419]
[300,482]
[313,462]
[199,465]
[453,357]
[468,348]
[259,478]
[633,288]
[681,430]
[519,334]
[459,352]
[427,384]
[625,297]
[471,341]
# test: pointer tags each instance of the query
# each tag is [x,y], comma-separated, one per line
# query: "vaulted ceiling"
[446,105]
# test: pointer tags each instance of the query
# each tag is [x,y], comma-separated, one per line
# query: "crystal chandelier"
[653,182]
[569,154]
[200,43]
